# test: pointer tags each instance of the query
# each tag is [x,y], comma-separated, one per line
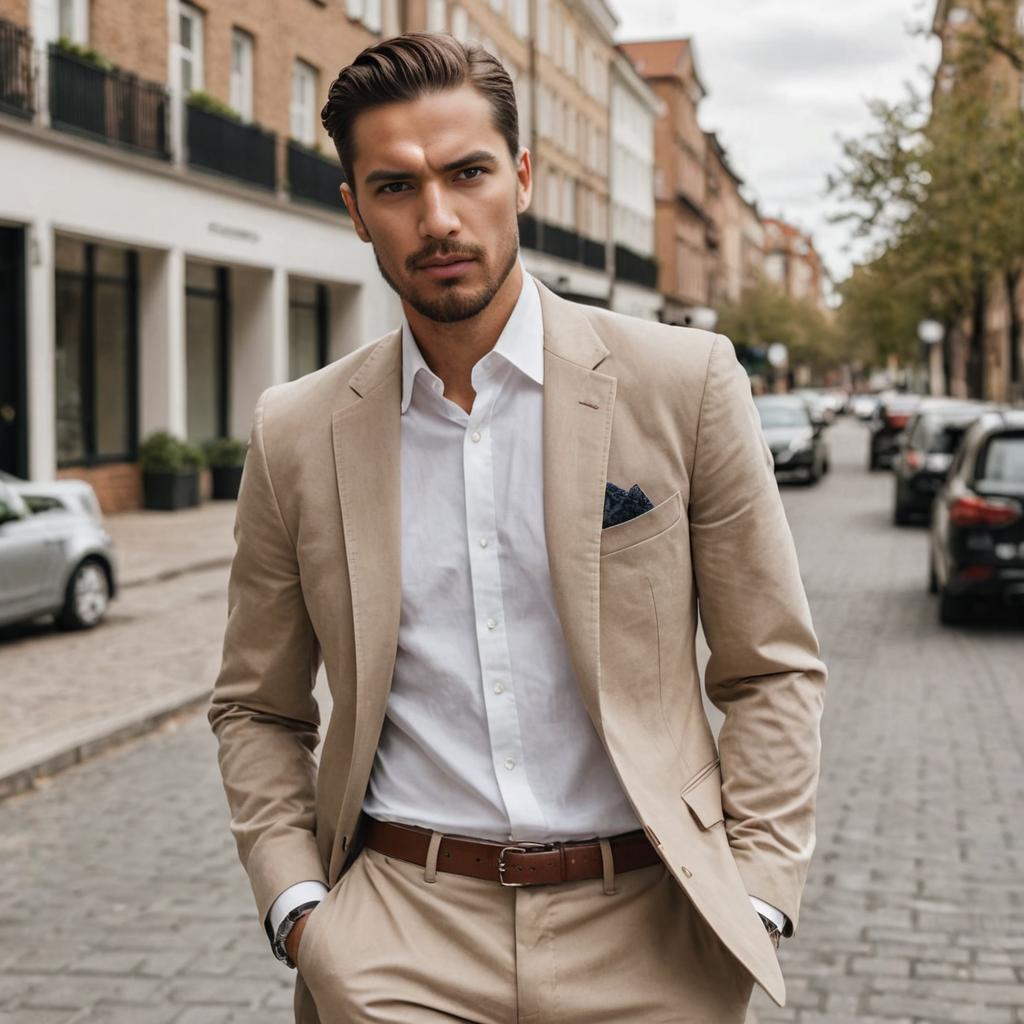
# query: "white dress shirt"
[486,733]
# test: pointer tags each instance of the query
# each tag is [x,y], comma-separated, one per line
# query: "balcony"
[225,146]
[630,266]
[16,79]
[560,242]
[108,104]
[313,179]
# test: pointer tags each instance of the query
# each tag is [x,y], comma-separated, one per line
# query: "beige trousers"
[396,943]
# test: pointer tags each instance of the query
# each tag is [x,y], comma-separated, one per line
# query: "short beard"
[451,307]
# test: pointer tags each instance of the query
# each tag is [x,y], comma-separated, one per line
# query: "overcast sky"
[784,77]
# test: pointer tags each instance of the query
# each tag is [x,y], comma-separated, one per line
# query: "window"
[73,20]
[207,326]
[569,202]
[366,11]
[460,24]
[190,48]
[437,16]
[521,18]
[95,296]
[303,102]
[307,327]
[241,73]
[568,50]
[543,27]
[497,5]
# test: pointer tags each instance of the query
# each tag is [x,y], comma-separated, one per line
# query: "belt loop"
[607,867]
[430,868]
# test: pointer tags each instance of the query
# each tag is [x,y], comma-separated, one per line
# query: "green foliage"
[765,314]
[208,102]
[86,53]
[224,451]
[162,452]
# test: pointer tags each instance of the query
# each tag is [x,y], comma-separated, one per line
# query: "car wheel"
[873,462]
[933,579]
[953,608]
[86,598]
[900,516]
[825,466]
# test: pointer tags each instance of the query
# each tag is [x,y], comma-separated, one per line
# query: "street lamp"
[931,334]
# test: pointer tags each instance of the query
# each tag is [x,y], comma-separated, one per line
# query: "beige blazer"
[316,576]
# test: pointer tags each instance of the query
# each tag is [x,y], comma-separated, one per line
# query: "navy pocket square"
[620,505]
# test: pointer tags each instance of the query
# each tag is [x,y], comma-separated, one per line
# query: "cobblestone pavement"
[124,901]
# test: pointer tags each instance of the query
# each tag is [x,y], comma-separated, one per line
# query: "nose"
[438,219]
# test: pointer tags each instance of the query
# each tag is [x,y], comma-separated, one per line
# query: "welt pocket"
[642,527]
[703,795]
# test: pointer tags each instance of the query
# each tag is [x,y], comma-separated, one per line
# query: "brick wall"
[132,34]
[15,10]
[118,485]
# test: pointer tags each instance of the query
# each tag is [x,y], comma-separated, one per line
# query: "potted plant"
[170,472]
[225,456]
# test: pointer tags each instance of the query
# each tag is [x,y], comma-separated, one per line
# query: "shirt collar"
[521,341]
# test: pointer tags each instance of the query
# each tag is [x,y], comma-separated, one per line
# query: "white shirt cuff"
[294,896]
[772,913]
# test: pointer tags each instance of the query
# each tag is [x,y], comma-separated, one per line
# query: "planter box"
[170,491]
[225,482]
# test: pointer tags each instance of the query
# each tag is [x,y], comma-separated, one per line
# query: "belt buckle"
[519,848]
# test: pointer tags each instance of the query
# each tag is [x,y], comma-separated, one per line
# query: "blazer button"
[686,871]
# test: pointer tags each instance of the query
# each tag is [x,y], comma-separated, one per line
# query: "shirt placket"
[507,754]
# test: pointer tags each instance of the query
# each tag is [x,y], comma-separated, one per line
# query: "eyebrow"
[479,156]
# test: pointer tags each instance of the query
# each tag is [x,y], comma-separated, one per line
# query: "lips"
[445,270]
[446,261]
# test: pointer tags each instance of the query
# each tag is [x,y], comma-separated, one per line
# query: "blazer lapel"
[578,405]
[367,453]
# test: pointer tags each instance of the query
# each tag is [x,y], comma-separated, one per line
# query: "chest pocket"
[642,527]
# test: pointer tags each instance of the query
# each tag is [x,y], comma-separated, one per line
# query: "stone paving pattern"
[124,901]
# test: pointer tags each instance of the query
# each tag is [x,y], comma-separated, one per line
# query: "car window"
[920,435]
[11,505]
[1003,460]
[946,439]
[783,415]
[42,503]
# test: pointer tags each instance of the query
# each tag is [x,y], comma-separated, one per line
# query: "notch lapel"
[578,406]
[366,433]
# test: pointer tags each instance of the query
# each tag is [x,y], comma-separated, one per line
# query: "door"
[29,555]
[13,404]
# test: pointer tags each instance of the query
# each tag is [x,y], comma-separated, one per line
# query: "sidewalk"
[68,696]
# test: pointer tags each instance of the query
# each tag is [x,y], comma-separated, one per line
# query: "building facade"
[172,240]
[792,262]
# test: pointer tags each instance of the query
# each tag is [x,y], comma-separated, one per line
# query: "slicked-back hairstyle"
[406,67]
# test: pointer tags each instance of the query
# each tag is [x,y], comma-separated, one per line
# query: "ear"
[349,199]
[524,180]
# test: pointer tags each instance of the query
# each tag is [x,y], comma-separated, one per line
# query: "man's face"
[435,181]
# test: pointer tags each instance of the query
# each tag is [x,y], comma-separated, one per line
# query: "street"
[124,900]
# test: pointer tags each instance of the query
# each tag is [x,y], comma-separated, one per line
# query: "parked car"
[863,406]
[798,444]
[57,561]
[887,424]
[72,495]
[821,405]
[976,547]
[920,466]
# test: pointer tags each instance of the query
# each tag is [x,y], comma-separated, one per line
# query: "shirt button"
[492,623]
[498,688]
[483,542]
[509,763]
[475,436]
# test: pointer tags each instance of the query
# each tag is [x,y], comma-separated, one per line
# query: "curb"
[20,771]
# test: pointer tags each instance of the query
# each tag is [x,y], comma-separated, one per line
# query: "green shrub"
[206,101]
[86,53]
[224,452]
[162,452]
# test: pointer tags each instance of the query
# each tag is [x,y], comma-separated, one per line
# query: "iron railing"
[244,152]
[16,79]
[630,266]
[109,104]
[313,179]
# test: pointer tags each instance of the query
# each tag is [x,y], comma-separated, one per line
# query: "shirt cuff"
[294,896]
[772,913]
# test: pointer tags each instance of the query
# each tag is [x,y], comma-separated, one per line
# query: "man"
[495,526]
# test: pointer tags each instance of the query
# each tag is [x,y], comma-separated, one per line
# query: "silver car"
[57,561]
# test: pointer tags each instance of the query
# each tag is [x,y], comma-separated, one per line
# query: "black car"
[920,466]
[977,536]
[798,444]
[887,423]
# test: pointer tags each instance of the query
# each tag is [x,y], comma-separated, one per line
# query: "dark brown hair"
[406,67]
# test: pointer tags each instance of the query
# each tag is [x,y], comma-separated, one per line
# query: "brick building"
[792,262]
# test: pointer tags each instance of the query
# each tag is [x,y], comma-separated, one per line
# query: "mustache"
[443,251]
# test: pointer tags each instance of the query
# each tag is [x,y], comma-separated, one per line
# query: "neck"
[452,350]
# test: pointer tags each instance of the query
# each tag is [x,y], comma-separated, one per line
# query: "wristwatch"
[285,927]
[773,930]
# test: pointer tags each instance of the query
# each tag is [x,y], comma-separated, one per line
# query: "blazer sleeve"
[262,711]
[765,673]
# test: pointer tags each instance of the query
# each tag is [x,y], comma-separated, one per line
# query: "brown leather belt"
[512,864]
